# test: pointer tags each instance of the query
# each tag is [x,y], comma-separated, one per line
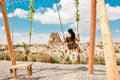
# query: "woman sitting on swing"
[71,40]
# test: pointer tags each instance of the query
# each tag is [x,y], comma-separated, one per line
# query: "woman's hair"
[72,33]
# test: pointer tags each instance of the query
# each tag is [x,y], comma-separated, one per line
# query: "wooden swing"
[77,50]
[13,66]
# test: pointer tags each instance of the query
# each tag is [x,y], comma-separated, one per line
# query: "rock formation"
[54,39]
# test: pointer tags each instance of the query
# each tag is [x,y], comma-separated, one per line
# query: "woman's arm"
[77,39]
[64,40]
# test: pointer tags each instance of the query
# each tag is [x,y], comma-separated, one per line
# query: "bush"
[1,56]
[101,60]
[116,51]
[43,57]
[96,60]
[34,58]
[118,61]
[83,61]
[54,60]
[19,57]
[67,60]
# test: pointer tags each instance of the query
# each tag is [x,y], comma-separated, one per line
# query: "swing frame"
[13,66]
[110,59]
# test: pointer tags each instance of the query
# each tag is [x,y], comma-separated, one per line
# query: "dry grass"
[43,57]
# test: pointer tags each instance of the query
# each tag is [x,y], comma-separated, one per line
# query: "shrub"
[67,60]
[7,57]
[34,58]
[1,56]
[116,51]
[19,57]
[43,57]
[101,60]
[96,60]
[83,61]
[54,60]
[118,61]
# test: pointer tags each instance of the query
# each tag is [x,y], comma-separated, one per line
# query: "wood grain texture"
[92,36]
[109,52]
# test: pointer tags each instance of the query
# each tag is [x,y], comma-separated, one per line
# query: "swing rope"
[60,19]
[13,21]
[77,16]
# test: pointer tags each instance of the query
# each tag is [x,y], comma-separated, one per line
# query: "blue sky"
[46,19]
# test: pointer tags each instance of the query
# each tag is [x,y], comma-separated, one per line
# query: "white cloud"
[67,12]
[0,15]
[51,15]
[36,38]
[19,38]
[2,35]
[19,13]
[113,12]
[117,30]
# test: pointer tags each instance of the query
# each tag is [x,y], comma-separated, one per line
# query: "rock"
[54,39]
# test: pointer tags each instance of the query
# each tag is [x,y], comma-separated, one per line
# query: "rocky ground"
[46,71]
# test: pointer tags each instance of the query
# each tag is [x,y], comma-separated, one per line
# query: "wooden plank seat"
[28,66]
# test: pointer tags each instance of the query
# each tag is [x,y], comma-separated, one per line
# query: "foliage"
[116,51]
[31,11]
[99,60]
[43,57]
[27,51]
[77,14]
[67,60]
[54,60]
[19,57]
[84,61]
[1,56]
[118,61]
[30,32]
[34,58]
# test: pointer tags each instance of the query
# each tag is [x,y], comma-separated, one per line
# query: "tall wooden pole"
[8,37]
[109,52]
[7,30]
[92,36]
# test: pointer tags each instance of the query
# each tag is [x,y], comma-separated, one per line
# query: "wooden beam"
[0,2]
[8,37]
[27,66]
[109,52]
[20,66]
[7,31]
[92,36]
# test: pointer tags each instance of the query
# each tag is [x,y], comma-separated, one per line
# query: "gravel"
[47,71]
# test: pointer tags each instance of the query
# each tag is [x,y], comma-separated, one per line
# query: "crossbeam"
[20,66]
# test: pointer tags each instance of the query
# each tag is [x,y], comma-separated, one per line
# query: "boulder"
[54,39]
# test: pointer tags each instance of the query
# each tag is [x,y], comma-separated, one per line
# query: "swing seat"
[21,66]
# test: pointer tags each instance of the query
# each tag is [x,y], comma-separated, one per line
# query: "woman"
[71,40]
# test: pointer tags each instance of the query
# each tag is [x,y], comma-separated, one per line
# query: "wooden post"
[109,52]
[92,36]
[7,30]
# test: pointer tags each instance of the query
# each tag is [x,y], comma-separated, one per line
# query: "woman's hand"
[78,37]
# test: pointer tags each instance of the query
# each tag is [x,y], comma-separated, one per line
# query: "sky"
[46,20]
